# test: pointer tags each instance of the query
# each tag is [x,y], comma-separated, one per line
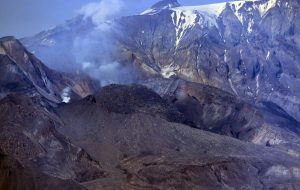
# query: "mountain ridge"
[51,84]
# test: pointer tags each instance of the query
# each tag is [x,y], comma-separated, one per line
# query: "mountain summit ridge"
[166,4]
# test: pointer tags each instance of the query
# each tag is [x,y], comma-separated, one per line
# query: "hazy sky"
[27,17]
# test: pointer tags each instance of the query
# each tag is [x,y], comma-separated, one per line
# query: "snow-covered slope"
[190,13]
[266,6]
[161,5]
[214,9]
[186,17]
[217,8]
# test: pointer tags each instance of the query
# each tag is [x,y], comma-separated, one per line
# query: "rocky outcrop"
[30,146]
[22,71]
[135,99]
[214,110]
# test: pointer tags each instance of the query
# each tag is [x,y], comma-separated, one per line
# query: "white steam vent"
[100,11]
[65,95]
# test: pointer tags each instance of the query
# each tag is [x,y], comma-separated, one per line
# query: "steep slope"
[165,4]
[36,155]
[239,47]
[28,134]
[55,46]
[214,110]
[145,151]
[217,49]
[21,71]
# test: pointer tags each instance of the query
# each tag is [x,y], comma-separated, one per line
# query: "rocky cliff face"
[21,71]
[33,154]
[247,48]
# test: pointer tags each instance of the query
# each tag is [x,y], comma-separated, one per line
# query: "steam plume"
[99,12]
[93,51]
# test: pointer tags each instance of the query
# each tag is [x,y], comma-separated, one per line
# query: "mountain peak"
[166,4]
[161,5]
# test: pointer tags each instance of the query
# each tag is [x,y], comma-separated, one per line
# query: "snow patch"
[168,71]
[278,171]
[167,6]
[268,55]
[225,56]
[232,87]
[185,19]
[265,7]
[241,52]
[48,42]
[240,17]
[156,10]
[250,26]
[257,84]
[213,9]
[149,12]
[217,8]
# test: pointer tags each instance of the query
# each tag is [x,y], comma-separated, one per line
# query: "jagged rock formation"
[28,135]
[22,71]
